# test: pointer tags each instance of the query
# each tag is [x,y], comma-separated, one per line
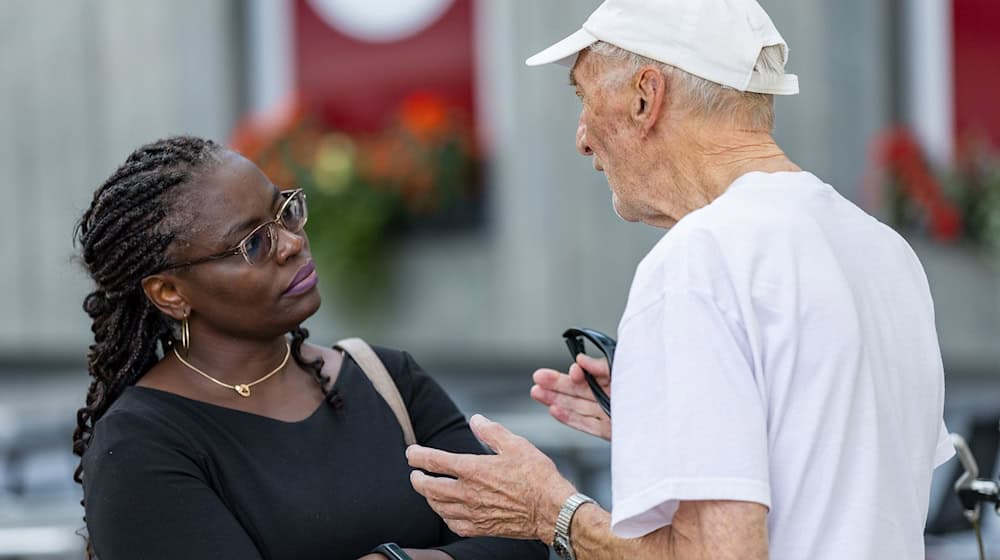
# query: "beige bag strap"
[373,367]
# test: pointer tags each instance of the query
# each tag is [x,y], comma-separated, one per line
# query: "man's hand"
[569,398]
[516,493]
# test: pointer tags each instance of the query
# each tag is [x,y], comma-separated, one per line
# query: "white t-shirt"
[779,347]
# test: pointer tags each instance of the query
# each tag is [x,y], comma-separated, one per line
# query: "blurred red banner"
[355,84]
[976,59]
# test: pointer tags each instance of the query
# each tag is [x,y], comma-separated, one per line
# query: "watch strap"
[565,519]
[392,551]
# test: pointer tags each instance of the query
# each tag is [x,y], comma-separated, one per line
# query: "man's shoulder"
[695,238]
[690,258]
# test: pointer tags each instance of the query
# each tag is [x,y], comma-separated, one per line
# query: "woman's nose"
[289,244]
[581,141]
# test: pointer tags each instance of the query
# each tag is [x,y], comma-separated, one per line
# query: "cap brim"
[564,52]
[786,84]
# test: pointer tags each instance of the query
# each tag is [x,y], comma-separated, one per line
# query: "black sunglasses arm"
[606,344]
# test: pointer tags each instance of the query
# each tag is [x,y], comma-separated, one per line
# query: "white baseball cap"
[718,40]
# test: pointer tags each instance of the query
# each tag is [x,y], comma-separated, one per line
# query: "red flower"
[898,152]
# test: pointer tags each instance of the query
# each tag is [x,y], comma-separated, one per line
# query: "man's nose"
[581,141]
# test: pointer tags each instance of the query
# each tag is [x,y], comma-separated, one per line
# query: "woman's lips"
[303,281]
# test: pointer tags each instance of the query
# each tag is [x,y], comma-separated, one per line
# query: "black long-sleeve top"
[167,477]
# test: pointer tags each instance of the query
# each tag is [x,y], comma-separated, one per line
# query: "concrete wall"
[554,254]
[81,85]
[841,52]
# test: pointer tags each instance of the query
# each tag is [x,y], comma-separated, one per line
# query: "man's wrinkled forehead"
[576,69]
[592,71]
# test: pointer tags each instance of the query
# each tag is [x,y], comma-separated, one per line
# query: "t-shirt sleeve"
[689,419]
[144,497]
[945,448]
[438,423]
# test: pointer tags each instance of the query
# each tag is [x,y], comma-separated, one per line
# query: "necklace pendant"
[243,390]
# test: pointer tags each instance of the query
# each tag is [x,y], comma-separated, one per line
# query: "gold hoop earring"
[185,335]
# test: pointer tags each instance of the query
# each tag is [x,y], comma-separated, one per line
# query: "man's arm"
[708,529]
[518,492]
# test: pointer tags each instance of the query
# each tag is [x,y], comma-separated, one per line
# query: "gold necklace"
[242,389]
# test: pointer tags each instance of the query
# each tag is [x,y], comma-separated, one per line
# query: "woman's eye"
[254,243]
[292,215]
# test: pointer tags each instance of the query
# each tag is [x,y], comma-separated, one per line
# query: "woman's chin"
[307,306]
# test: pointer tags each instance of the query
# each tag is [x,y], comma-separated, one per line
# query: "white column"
[270,53]
[929,93]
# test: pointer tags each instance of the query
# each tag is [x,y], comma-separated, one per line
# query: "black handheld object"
[574,341]
[392,551]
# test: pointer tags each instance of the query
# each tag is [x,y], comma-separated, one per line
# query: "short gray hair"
[707,98]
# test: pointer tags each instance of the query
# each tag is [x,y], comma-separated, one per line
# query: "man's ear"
[649,91]
[163,292]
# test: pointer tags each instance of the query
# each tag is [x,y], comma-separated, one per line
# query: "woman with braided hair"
[211,429]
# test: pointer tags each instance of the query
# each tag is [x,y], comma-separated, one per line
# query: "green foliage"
[364,191]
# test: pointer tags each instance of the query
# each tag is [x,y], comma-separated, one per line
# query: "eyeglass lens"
[257,247]
[293,217]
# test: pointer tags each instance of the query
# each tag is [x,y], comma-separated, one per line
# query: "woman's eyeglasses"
[576,341]
[258,246]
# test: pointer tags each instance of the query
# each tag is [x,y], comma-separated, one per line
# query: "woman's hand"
[569,398]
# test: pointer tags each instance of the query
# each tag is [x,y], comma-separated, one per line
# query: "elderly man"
[778,387]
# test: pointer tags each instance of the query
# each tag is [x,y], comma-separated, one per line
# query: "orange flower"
[424,115]
[256,133]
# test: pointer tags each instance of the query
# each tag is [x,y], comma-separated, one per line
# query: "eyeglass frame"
[574,342]
[239,249]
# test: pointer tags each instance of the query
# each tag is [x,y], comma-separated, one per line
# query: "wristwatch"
[562,543]
[391,551]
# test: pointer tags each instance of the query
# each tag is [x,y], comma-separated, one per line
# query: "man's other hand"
[569,398]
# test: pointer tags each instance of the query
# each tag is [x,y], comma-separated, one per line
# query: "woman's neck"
[234,360]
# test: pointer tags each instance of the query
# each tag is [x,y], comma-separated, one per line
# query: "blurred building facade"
[84,83]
